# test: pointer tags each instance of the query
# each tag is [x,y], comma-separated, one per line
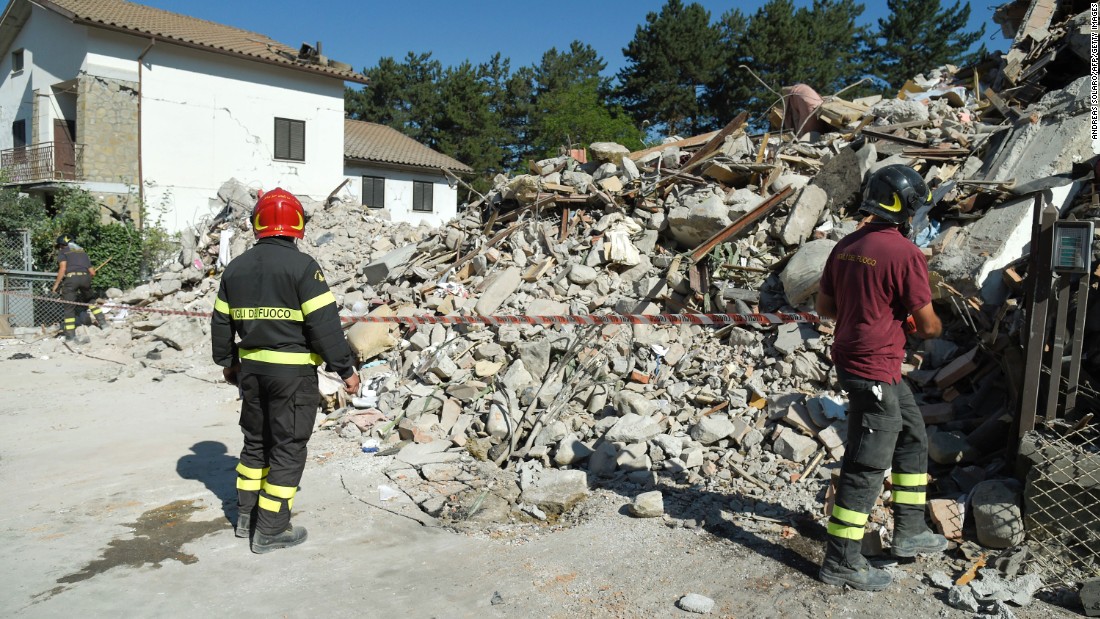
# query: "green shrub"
[133,252]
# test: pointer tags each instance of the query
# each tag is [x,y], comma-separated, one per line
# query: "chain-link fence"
[1062,499]
[17,276]
[15,251]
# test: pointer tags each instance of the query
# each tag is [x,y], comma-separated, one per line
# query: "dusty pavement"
[118,484]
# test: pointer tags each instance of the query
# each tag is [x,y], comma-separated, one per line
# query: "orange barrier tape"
[569,319]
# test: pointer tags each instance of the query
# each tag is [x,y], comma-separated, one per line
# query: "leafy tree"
[570,104]
[669,61]
[920,35]
[576,115]
[821,46]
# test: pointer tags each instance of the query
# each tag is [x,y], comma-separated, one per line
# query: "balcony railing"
[47,161]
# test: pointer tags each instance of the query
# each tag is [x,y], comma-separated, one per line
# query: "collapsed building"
[518,422]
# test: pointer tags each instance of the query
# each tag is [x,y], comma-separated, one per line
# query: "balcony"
[46,161]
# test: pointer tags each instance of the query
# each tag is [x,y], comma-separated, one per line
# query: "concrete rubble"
[518,423]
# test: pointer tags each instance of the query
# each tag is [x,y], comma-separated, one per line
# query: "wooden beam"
[732,230]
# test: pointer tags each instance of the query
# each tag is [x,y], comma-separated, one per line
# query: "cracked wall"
[107,125]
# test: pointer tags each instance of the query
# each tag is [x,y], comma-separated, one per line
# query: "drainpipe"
[141,177]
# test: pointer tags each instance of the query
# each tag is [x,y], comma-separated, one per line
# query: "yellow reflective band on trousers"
[317,303]
[843,532]
[282,358]
[282,492]
[268,504]
[251,473]
[266,313]
[905,497]
[849,516]
[909,480]
[249,485]
[221,306]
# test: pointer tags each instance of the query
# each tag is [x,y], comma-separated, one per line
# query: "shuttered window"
[290,139]
[374,192]
[422,196]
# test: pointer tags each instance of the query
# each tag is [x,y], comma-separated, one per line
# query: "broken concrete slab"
[498,290]
[802,274]
[804,215]
[379,270]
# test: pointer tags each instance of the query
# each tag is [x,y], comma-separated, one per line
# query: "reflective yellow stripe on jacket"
[281,358]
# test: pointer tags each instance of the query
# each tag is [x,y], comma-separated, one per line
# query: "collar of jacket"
[281,241]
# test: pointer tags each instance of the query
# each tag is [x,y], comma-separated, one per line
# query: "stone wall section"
[107,125]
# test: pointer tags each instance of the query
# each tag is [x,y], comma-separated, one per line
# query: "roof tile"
[149,21]
[379,143]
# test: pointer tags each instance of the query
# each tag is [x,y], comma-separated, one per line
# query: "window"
[374,192]
[19,133]
[17,61]
[422,196]
[290,139]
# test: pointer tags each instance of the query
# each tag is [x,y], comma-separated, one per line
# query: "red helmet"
[278,213]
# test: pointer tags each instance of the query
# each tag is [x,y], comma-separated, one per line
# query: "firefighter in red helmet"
[275,320]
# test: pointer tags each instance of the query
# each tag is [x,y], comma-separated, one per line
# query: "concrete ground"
[119,485]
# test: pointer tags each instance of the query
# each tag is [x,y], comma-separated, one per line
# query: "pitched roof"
[379,143]
[141,20]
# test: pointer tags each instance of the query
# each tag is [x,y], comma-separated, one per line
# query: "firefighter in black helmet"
[74,278]
[274,321]
[873,281]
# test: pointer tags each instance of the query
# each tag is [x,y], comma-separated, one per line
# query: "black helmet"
[64,239]
[894,193]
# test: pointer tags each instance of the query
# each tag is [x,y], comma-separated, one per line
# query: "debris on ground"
[517,423]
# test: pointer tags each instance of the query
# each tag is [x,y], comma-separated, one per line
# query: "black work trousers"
[885,431]
[77,287]
[277,417]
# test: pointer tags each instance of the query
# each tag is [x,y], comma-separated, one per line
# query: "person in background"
[274,321]
[875,285]
[74,278]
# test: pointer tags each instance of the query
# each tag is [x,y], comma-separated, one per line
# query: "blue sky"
[360,33]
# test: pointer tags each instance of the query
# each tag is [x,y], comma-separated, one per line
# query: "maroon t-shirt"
[877,277]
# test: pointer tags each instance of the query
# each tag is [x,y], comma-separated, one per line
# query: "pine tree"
[669,61]
[920,35]
[821,46]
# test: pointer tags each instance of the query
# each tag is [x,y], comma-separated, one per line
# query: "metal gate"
[1059,448]
[17,276]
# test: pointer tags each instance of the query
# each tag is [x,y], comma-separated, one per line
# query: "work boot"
[864,576]
[924,542]
[244,524]
[293,536]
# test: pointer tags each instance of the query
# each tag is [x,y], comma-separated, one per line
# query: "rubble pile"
[517,422]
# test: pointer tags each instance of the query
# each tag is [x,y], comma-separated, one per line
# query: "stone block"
[803,272]
[795,447]
[1090,597]
[498,290]
[556,491]
[379,270]
[710,430]
[997,517]
[804,215]
[632,428]
[647,505]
